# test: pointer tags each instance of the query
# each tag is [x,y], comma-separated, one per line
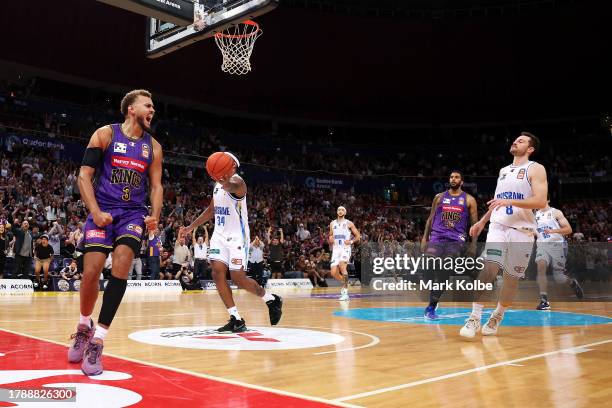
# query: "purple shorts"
[440,248]
[126,223]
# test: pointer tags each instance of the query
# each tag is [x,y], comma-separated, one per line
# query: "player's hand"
[183,231]
[498,202]
[102,219]
[548,231]
[151,223]
[476,229]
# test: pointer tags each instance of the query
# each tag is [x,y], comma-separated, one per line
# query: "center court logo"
[257,338]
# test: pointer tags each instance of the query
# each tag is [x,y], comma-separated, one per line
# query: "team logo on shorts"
[521,174]
[120,148]
[236,261]
[214,251]
[257,338]
[135,228]
[63,285]
[92,234]
[494,252]
[145,150]
[519,269]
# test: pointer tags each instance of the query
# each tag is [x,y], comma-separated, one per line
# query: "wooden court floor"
[336,359]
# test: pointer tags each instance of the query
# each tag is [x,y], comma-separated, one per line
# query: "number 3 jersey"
[231,215]
[123,179]
[513,184]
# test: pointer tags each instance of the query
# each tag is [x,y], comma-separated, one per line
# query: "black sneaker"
[577,288]
[275,308]
[544,305]
[233,326]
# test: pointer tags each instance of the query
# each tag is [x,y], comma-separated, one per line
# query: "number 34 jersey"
[513,184]
[231,215]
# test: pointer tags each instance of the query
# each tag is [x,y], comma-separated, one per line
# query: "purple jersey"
[123,180]
[450,221]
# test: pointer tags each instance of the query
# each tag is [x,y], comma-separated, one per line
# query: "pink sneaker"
[92,359]
[81,338]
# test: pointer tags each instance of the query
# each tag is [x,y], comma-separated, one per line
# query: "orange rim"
[247,22]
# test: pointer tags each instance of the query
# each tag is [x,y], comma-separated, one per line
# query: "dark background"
[341,63]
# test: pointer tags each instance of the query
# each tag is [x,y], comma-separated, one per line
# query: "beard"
[142,124]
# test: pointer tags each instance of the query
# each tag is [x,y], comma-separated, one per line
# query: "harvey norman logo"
[129,163]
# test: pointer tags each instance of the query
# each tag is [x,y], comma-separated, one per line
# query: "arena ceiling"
[312,63]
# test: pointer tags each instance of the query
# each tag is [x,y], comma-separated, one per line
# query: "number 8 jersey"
[513,184]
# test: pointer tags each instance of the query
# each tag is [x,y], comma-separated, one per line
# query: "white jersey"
[513,184]
[341,231]
[546,220]
[231,215]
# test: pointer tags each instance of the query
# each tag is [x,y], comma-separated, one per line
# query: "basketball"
[219,164]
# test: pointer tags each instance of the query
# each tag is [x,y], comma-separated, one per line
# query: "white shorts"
[552,253]
[232,251]
[340,254]
[509,248]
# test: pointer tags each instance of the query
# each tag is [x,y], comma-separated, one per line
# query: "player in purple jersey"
[446,231]
[127,165]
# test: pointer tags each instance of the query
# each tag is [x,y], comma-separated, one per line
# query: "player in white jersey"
[342,235]
[551,251]
[521,188]
[229,247]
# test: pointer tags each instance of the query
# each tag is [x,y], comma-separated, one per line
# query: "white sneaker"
[471,327]
[490,328]
[344,294]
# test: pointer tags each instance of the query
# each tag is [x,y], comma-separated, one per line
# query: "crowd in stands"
[482,150]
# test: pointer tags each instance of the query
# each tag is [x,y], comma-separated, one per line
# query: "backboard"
[210,17]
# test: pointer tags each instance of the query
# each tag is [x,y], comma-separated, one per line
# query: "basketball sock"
[433,303]
[85,320]
[115,289]
[267,297]
[100,332]
[500,309]
[477,310]
[544,296]
[233,311]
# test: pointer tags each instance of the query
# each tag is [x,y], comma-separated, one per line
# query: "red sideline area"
[158,387]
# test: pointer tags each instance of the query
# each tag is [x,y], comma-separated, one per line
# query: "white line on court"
[375,340]
[206,376]
[464,372]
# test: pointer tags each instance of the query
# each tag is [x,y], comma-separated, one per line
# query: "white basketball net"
[236,44]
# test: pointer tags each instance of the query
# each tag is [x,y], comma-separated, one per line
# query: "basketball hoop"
[236,44]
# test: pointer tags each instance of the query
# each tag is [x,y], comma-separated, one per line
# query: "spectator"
[276,253]
[154,246]
[200,255]
[181,256]
[186,279]
[23,251]
[55,234]
[256,260]
[302,233]
[165,265]
[71,271]
[43,254]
